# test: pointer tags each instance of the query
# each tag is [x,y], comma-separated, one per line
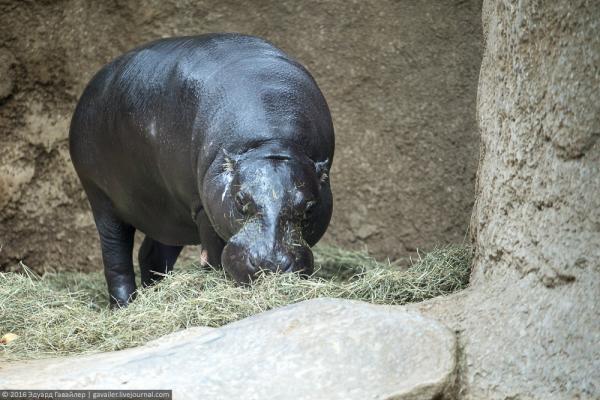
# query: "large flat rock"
[317,349]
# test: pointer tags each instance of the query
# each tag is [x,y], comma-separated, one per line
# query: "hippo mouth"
[244,261]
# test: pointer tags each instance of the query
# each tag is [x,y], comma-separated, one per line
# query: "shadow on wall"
[400,78]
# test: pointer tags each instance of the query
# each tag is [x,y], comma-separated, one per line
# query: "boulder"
[316,349]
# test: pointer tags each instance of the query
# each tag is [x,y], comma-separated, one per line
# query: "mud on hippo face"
[274,204]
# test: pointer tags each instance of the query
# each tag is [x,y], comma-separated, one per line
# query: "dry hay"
[67,313]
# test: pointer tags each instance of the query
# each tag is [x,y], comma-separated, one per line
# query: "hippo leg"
[156,259]
[210,240]
[116,242]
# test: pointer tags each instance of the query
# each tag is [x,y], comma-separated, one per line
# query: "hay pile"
[67,313]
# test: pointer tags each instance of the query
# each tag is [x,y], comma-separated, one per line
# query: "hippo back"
[150,123]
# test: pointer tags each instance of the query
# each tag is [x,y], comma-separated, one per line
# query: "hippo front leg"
[156,259]
[116,241]
[212,244]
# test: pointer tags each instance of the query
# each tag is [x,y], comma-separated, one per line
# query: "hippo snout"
[280,263]
[244,261]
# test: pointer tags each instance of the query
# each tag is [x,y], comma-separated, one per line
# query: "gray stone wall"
[529,325]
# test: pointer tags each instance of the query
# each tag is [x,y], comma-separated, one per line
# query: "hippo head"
[270,204]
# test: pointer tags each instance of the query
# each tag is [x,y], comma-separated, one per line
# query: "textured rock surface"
[529,327]
[317,349]
[7,61]
[400,78]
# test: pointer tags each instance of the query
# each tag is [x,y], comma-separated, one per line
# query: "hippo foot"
[121,295]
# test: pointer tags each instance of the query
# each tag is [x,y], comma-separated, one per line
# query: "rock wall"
[400,78]
[529,326]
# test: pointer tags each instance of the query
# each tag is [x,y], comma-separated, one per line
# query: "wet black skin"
[220,139]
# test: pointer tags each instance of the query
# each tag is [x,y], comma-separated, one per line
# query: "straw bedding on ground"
[67,313]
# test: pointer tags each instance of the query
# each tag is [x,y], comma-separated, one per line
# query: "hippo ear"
[229,161]
[322,170]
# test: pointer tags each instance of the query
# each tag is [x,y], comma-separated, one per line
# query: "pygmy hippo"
[221,140]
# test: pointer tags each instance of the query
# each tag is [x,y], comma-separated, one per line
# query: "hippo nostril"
[279,263]
[257,264]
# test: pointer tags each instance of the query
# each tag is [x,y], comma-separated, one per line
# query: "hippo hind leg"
[116,242]
[156,259]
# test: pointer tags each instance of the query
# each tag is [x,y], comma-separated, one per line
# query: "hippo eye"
[244,203]
[310,207]
[241,202]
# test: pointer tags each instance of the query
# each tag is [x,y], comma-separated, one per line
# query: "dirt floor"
[400,78]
